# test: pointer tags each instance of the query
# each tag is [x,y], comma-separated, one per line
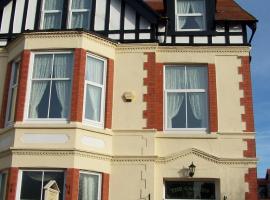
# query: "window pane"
[88,187]
[190,6]
[94,70]
[191,22]
[11,110]
[62,66]
[56,176]
[52,21]
[197,110]
[31,185]
[81,4]
[175,77]
[60,99]
[197,78]
[80,20]
[15,73]
[42,66]
[176,110]
[3,185]
[39,100]
[93,103]
[53,4]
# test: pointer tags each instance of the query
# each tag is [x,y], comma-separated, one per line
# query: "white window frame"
[217,185]
[19,182]
[43,12]
[86,121]
[12,88]
[185,91]
[6,182]
[177,15]
[99,181]
[29,86]
[71,11]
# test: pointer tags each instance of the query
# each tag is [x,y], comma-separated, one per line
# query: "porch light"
[191,169]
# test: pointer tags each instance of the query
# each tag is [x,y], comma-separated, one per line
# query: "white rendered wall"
[115,13]
[6,18]
[17,25]
[130,18]
[31,14]
[100,15]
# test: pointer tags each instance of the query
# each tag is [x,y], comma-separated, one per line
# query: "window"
[32,183]
[190,15]
[186,105]
[10,112]
[50,86]
[95,79]
[52,14]
[89,186]
[3,185]
[80,14]
[190,190]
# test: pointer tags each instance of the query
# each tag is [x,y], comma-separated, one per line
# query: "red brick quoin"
[72,184]
[109,94]
[12,183]
[251,180]
[105,186]
[5,96]
[154,97]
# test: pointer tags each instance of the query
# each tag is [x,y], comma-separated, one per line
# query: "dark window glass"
[3,185]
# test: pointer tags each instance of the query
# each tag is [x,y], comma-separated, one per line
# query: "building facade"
[264,186]
[115,99]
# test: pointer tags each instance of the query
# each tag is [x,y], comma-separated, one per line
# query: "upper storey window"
[80,14]
[52,14]
[50,86]
[190,15]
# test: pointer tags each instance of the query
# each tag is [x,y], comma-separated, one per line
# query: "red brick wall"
[251,148]
[212,98]
[251,180]
[12,183]
[78,85]
[105,186]
[154,97]
[246,101]
[22,85]
[109,94]
[5,96]
[72,184]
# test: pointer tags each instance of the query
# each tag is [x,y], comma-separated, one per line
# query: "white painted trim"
[97,124]
[99,181]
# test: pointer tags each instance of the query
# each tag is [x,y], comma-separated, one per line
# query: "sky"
[260,69]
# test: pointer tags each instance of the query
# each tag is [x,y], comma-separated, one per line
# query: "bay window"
[94,94]
[178,190]
[32,184]
[80,11]
[89,186]
[12,94]
[52,14]
[190,15]
[3,185]
[186,105]
[50,86]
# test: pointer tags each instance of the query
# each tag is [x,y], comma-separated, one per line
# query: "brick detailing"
[105,186]
[12,183]
[22,86]
[78,85]
[109,94]
[246,101]
[154,97]
[5,96]
[72,184]
[212,98]
[251,180]
[251,148]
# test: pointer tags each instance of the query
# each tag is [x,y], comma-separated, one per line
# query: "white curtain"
[198,7]
[62,69]
[93,103]
[197,79]
[80,19]
[94,70]
[88,188]
[81,4]
[183,7]
[53,20]
[174,103]
[42,69]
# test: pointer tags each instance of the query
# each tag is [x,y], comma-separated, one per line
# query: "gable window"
[190,15]
[52,14]
[32,184]
[177,190]
[186,105]
[80,11]
[3,185]
[95,79]
[12,93]
[89,186]
[50,86]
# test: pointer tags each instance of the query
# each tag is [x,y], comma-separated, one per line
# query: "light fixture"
[191,170]
[128,96]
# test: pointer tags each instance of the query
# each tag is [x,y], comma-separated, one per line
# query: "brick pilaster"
[251,180]
[105,186]
[72,184]
[12,183]
[109,94]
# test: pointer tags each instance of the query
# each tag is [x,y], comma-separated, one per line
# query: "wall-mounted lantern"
[191,170]
[128,96]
